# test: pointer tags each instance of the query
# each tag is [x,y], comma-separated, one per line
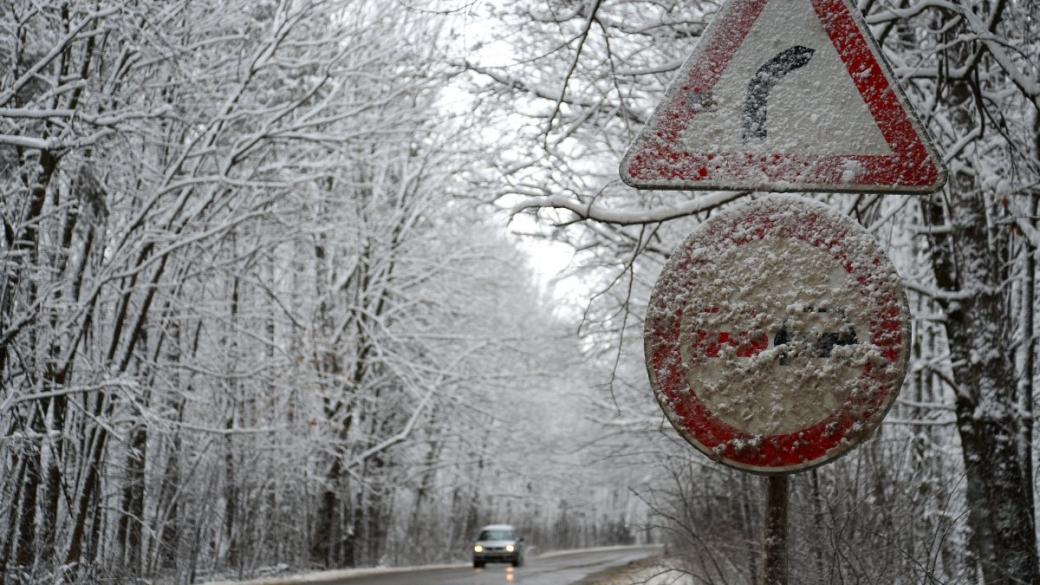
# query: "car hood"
[494,542]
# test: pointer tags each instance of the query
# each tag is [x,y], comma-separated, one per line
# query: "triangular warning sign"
[785,95]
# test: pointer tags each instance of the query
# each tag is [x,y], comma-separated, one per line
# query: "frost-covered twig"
[630,216]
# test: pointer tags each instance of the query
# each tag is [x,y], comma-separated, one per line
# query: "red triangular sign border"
[657,159]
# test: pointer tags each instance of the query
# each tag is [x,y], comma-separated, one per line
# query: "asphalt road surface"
[563,569]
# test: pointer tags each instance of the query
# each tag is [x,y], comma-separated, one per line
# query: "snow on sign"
[777,336]
[785,95]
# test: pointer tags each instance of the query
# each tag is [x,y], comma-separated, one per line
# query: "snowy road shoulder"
[336,575]
[651,571]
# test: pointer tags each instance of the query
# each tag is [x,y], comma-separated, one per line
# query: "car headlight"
[478,548]
[510,548]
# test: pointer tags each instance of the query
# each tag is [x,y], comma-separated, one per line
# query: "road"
[562,569]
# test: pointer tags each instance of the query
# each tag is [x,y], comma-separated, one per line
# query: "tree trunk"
[12,525]
[87,497]
[230,495]
[1000,512]
[328,508]
[25,552]
[169,536]
[129,531]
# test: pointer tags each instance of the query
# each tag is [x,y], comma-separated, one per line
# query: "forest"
[332,283]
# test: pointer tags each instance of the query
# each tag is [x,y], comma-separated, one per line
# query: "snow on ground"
[335,575]
[656,571]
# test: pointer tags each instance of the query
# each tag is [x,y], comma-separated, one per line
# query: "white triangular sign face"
[785,95]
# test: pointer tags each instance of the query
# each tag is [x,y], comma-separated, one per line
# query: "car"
[498,543]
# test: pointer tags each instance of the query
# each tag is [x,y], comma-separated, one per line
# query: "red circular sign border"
[827,439]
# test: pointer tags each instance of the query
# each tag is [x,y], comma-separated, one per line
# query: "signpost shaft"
[776,530]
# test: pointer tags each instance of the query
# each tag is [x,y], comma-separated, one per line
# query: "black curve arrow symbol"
[762,83]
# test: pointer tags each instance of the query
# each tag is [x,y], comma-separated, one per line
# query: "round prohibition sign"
[777,336]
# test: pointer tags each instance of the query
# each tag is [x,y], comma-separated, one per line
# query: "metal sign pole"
[776,530]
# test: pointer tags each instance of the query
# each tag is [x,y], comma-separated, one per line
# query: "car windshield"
[496,535]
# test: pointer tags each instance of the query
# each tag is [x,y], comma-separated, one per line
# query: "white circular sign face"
[777,336]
